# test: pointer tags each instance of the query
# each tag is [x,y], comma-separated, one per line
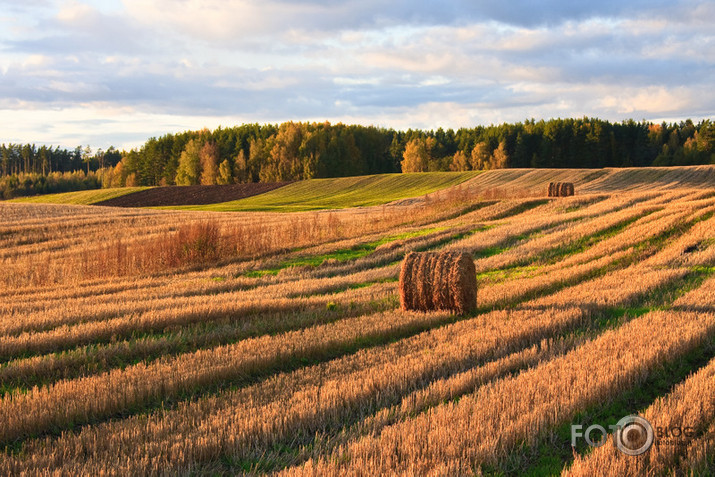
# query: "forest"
[298,150]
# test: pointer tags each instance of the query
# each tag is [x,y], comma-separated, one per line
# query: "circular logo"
[634,435]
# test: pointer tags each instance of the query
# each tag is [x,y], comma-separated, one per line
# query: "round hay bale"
[407,291]
[438,281]
[551,189]
[566,189]
[563,189]
[556,192]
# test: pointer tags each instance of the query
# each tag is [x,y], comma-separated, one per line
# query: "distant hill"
[361,191]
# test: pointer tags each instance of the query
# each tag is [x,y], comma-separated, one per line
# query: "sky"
[116,72]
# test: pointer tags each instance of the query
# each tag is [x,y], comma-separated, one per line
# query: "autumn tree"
[415,158]
[499,157]
[286,151]
[188,171]
[258,160]
[118,175]
[208,157]
[225,175]
[241,173]
[460,162]
[479,159]
[131,180]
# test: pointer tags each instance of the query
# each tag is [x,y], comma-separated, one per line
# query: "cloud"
[217,20]
[400,64]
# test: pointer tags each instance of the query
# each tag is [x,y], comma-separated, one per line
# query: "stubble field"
[139,342]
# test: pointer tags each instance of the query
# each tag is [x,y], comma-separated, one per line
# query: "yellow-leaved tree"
[416,156]
[225,175]
[208,156]
[188,171]
[499,157]
[460,162]
[480,156]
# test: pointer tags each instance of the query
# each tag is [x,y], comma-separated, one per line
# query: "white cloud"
[654,100]
[98,125]
[76,14]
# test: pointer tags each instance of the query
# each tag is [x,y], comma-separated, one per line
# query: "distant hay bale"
[553,189]
[438,281]
[567,189]
[560,189]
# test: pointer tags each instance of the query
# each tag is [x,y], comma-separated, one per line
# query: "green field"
[339,193]
[82,197]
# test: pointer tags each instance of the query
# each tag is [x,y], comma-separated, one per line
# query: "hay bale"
[552,189]
[566,189]
[438,281]
[560,189]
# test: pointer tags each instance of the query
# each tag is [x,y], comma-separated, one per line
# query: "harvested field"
[592,181]
[190,195]
[82,197]
[155,342]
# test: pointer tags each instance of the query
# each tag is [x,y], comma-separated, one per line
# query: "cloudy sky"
[115,72]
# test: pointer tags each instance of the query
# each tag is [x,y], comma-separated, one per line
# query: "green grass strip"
[340,255]
[343,192]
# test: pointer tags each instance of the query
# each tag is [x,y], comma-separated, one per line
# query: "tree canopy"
[299,150]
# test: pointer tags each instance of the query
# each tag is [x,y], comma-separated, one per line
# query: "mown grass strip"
[344,288]
[555,451]
[149,346]
[82,197]
[343,192]
[467,209]
[556,254]
[340,255]
[520,209]
[503,274]
[303,446]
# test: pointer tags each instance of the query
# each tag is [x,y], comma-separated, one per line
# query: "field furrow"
[149,342]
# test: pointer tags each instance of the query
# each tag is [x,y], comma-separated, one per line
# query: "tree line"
[26,169]
[296,151]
